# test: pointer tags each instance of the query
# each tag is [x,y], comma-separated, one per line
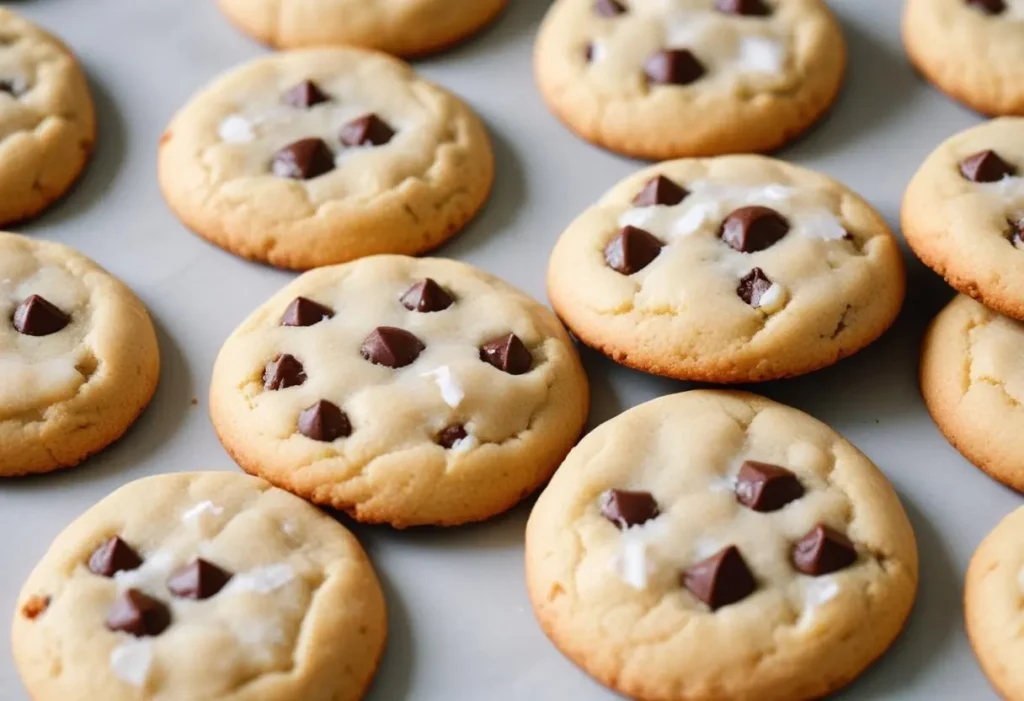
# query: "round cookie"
[659,80]
[78,356]
[400,27]
[972,379]
[733,269]
[47,119]
[310,158]
[963,213]
[713,546]
[201,586]
[401,390]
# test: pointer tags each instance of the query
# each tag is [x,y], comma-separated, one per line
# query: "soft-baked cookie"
[664,79]
[717,546]
[78,356]
[401,390]
[963,213]
[316,157]
[972,379]
[200,586]
[734,269]
[401,27]
[47,120]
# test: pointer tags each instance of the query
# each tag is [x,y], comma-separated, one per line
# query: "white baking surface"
[460,624]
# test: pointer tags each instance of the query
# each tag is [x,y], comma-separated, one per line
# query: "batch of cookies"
[708,545]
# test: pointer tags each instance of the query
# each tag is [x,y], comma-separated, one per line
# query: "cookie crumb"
[35,607]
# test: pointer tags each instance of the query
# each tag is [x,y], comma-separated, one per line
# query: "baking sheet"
[460,623]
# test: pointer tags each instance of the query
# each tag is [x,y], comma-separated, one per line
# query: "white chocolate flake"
[761,55]
[635,562]
[723,484]
[131,661]
[773,299]
[203,517]
[151,576]
[236,129]
[262,579]
[598,52]
[1010,187]
[24,384]
[451,391]
[464,445]
[822,224]
[817,592]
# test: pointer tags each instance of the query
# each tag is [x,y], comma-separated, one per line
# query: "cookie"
[734,269]
[78,356]
[401,390]
[713,546]
[401,27]
[659,80]
[310,158]
[200,586]
[963,213]
[47,119]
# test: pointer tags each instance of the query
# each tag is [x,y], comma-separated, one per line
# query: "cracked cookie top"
[315,157]
[712,545]
[201,586]
[410,391]
[734,269]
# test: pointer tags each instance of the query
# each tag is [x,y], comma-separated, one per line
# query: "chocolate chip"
[391,347]
[508,354]
[113,556]
[35,607]
[305,312]
[305,95]
[627,508]
[452,435]
[750,8]
[631,250]
[823,550]
[764,487]
[986,167]
[608,8]
[426,296]
[324,421]
[752,287]
[989,7]
[303,160]
[8,87]
[138,614]
[752,229]
[660,190]
[38,317]
[282,372]
[367,130]
[673,67]
[199,580]
[720,580]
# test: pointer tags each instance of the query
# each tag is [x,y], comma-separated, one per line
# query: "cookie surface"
[734,269]
[316,157]
[963,211]
[659,80]
[401,390]
[78,356]
[47,120]
[399,27]
[219,587]
[716,545]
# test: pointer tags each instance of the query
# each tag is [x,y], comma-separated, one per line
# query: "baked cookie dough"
[717,546]
[664,79]
[316,157]
[401,390]
[734,269]
[963,213]
[401,27]
[47,120]
[78,356]
[200,586]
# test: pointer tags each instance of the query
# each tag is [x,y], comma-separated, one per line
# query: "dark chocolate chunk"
[305,312]
[720,580]
[508,354]
[305,95]
[368,130]
[609,8]
[391,347]
[199,580]
[660,190]
[750,8]
[673,67]
[282,372]
[752,229]
[303,160]
[113,556]
[986,167]
[138,614]
[452,435]
[628,508]
[38,317]
[989,7]
[631,250]
[764,487]
[752,286]
[426,296]
[324,421]
[823,550]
